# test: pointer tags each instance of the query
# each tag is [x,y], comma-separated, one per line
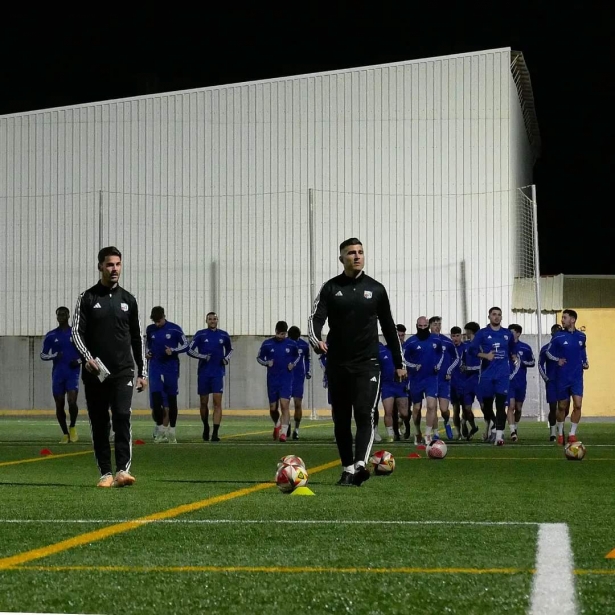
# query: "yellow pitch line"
[119,528]
[280,569]
[43,458]
[259,433]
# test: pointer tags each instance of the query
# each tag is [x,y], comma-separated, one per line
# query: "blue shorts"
[444,389]
[517,391]
[426,387]
[394,389]
[210,384]
[565,390]
[298,387]
[163,381]
[490,387]
[456,395]
[279,390]
[470,390]
[65,381]
[551,388]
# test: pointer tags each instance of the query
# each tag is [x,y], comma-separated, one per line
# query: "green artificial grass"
[401,543]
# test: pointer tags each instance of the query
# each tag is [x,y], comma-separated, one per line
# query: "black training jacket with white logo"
[354,306]
[106,326]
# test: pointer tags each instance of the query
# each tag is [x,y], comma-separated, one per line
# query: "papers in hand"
[103,372]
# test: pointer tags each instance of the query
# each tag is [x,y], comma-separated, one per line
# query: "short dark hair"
[294,333]
[555,328]
[157,313]
[435,319]
[401,328]
[210,314]
[62,309]
[495,307]
[108,251]
[455,330]
[570,313]
[281,326]
[352,241]
[517,328]
[472,326]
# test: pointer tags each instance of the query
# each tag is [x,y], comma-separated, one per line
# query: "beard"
[423,334]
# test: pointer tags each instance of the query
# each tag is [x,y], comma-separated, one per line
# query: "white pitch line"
[553,585]
[270,521]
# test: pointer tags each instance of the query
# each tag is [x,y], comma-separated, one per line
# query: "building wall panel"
[206,194]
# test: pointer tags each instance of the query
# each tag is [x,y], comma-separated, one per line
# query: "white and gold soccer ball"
[437,449]
[575,451]
[289,477]
[382,463]
[291,460]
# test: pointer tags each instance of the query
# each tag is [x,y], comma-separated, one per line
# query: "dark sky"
[54,59]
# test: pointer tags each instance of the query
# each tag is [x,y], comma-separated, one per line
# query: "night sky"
[52,59]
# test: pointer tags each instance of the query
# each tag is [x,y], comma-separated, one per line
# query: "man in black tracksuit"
[354,303]
[106,329]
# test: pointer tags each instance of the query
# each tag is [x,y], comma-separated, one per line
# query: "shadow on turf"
[70,485]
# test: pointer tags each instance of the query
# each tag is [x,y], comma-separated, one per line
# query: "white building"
[206,193]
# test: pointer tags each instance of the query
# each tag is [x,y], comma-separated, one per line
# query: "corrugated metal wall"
[206,194]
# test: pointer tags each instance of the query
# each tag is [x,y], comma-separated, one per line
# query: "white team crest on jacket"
[367,294]
[168,336]
[124,307]
[288,351]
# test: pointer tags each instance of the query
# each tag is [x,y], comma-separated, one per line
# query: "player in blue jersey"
[213,348]
[470,371]
[456,385]
[568,349]
[547,370]
[450,361]
[494,346]
[423,354]
[280,355]
[165,341]
[58,347]
[398,419]
[518,380]
[394,393]
[300,374]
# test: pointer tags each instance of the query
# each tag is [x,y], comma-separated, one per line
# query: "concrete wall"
[25,380]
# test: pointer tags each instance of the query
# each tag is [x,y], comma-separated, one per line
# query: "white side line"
[553,585]
[276,521]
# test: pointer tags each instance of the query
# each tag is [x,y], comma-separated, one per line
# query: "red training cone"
[414,456]
[139,441]
[46,451]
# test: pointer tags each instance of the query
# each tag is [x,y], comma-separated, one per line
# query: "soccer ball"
[575,451]
[291,460]
[382,462]
[437,449]
[288,478]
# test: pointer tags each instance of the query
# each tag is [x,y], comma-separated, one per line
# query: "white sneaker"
[377,437]
[161,436]
[171,439]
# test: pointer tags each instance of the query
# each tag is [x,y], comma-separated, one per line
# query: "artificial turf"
[398,544]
